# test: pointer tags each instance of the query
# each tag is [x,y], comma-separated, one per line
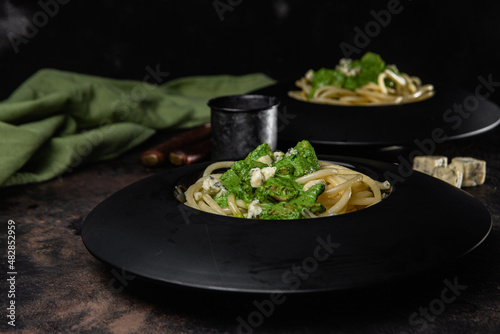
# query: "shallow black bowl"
[146,232]
[454,112]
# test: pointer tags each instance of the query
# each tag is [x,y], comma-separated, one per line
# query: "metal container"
[242,122]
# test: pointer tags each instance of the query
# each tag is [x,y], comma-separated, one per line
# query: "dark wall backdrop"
[446,41]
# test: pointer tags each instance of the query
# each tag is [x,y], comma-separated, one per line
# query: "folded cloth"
[57,120]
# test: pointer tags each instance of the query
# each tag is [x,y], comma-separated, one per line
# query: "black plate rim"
[356,161]
[443,91]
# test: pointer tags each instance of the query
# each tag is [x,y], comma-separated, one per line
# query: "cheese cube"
[473,170]
[450,175]
[427,163]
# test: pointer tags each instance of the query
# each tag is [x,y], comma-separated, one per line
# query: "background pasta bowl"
[375,126]
[144,230]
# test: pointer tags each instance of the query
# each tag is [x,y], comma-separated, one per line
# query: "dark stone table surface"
[60,287]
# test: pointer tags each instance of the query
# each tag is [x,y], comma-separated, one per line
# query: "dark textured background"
[444,41]
[61,288]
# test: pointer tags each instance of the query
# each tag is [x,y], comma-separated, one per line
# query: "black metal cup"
[242,122]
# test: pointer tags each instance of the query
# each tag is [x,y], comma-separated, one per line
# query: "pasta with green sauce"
[279,185]
[361,82]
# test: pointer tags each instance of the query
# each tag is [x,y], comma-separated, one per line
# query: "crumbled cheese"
[208,183]
[212,186]
[427,163]
[256,177]
[259,176]
[344,67]
[312,183]
[473,170]
[254,209]
[291,151]
[268,172]
[265,159]
[278,155]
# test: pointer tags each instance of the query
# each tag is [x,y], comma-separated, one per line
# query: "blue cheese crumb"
[278,155]
[291,151]
[254,209]
[427,163]
[212,186]
[265,159]
[259,176]
[473,170]
[449,175]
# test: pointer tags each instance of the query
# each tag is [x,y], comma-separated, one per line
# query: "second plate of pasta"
[382,125]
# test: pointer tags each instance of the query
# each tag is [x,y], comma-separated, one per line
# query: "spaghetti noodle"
[364,82]
[330,189]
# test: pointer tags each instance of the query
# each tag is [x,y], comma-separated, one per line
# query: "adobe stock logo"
[120,280]
[293,277]
[221,7]
[419,321]
[362,38]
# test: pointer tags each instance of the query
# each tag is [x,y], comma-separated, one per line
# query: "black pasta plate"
[450,114]
[146,232]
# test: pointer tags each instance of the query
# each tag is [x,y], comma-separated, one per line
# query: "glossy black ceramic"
[452,112]
[146,232]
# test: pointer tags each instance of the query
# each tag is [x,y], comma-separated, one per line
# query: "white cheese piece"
[291,151]
[254,209]
[447,174]
[312,183]
[265,159]
[344,66]
[256,177]
[268,172]
[278,155]
[212,186]
[427,163]
[473,170]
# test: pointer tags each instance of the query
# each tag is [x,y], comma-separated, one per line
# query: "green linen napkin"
[57,120]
